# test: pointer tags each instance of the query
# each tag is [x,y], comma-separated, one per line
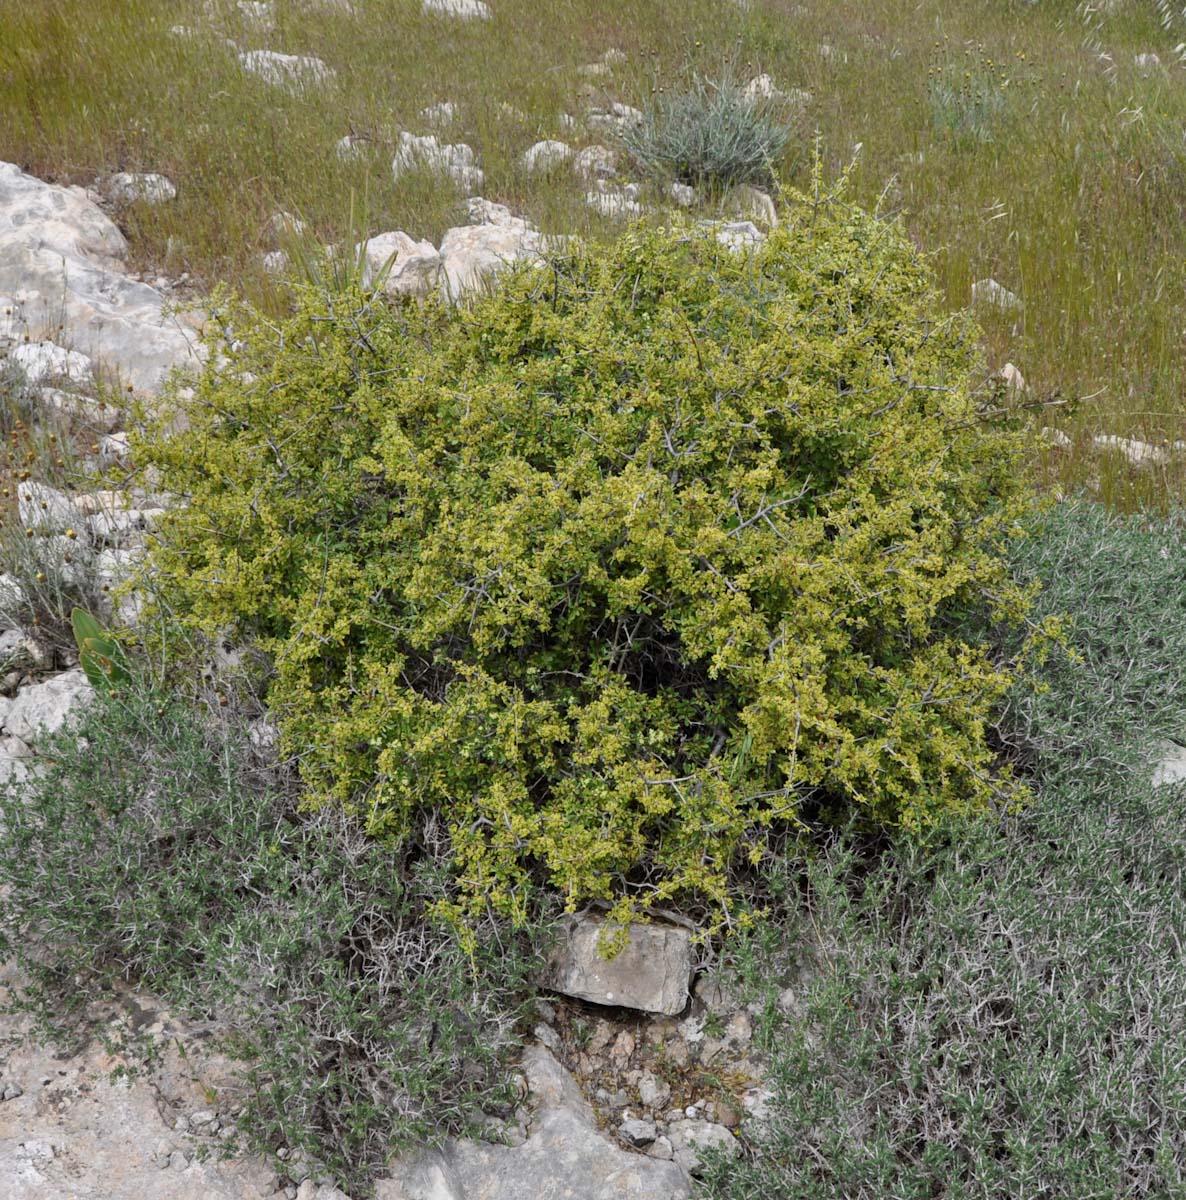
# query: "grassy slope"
[1066,183]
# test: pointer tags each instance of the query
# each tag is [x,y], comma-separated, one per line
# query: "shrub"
[638,557]
[1003,1016]
[709,134]
[151,847]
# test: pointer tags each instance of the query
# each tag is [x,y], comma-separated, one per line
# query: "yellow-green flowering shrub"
[620,567]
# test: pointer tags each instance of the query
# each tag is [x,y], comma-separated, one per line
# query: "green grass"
[1002,1015]
[1009,145]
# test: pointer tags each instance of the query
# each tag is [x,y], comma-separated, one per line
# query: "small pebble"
[638,1133]
[546,1036]
[661,1148]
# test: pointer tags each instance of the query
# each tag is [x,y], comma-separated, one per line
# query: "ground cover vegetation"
[1022,141]
[159,845]
[625,569]
[999,1013]
[627,581]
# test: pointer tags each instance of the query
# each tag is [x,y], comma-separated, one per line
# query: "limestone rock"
[113,568]
[754,204]
[43,708]
[653,1091]
[616,118]
[738,236]
[312,1191]
[114,448]
[1171,767]
[457,160]
[470,10]
[60,258]
[282,225]
[712,990]
[14,754]
[12,601]
[46,510]
[442,113]
[64,219]
[480,211]
[614,202]
[294,72]
[350,148]
[100,415]
[130,187]
[112,526]
[257,13]
[415,270]
[637,1132]
[42,361]
[545,155]
[683,194]
[429,1176]
[471,254]
[550,1085]
[1138,453]
[65,560]
[651,972]
[565,1156]
[994,294]
[761,87]
[1013,379]
[596,162]
[70,1130]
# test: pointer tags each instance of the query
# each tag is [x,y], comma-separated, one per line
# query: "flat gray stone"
[43,708]
[551,1086]
[564,1157]
[638,1132]
[651,973]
